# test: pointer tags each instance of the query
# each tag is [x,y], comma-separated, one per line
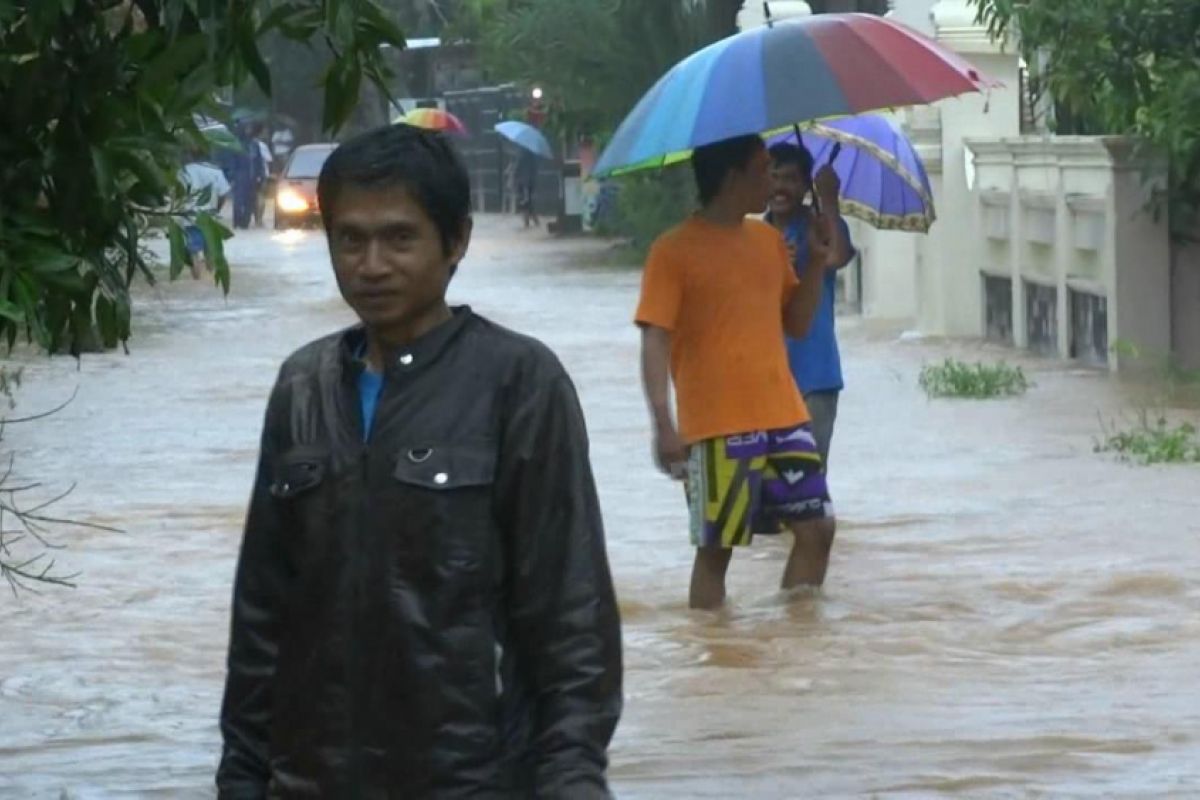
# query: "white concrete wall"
[1071,213]
[1068,213]
[1141,245]
[928,279]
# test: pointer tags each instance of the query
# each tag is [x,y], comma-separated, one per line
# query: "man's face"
[753,182]
[788,187]
[388,257]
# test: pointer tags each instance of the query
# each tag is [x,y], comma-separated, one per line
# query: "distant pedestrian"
[247,176]
[207,191]
[511,200]
[282,143]
[265,161]
[527,170]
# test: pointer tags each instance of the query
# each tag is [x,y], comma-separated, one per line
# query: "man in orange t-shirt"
[718,295]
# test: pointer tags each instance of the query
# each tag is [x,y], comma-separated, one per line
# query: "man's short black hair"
[712,162]
[792,153]
[422,161]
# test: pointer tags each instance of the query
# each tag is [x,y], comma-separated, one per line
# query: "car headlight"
[290,201]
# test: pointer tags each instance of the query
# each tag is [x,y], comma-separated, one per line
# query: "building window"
[997,309]
[1089,328]
[1041,318]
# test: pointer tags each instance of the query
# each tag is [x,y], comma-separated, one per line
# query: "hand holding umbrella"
[820,238]
[827,185]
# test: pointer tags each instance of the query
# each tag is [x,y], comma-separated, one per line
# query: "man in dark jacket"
[423,606]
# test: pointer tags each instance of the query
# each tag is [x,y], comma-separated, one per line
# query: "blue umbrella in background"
[883,180]
[526,136]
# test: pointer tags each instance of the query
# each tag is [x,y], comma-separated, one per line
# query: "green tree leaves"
[100,107]
[1128,67]
[593,59]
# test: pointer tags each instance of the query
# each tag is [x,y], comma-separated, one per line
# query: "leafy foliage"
[650,203]
[1125,67]
[594,60]
[101,101]
[1153,439]
[953,378]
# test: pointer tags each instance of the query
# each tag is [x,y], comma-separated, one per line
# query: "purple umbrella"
[883,180]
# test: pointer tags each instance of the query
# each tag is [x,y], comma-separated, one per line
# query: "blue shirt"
[815,361]
[370,386]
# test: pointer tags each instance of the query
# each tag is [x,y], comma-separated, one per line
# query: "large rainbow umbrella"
[768,79]
[434,119]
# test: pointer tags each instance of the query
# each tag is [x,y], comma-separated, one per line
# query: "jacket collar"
[419,354]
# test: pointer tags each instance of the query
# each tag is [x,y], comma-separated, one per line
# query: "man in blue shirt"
[815,361]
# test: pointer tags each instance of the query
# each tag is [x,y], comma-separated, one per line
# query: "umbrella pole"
[800,142]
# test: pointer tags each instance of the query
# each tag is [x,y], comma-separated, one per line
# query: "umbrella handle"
[833,154]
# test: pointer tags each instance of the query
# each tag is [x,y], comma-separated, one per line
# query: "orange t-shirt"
[720,292]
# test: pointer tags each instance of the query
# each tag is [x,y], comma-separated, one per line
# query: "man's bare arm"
[669,449]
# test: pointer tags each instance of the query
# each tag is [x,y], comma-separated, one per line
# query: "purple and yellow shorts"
[737,485]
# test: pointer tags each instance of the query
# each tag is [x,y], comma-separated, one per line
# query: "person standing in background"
[527,170]
[266,160]
[718,294]
[814,359]
[207,191]
[246,166]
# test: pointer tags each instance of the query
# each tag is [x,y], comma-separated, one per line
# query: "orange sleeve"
[662,289]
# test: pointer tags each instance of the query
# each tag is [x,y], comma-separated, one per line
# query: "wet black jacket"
[429,614]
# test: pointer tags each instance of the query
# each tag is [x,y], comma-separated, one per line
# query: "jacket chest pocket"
[299,486]
[444,498]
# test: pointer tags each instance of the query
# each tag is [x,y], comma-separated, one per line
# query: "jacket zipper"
[355,646]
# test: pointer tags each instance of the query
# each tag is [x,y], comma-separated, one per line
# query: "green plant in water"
[1152,440]
[978,381]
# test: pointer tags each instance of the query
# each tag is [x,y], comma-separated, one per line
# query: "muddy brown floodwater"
[1008,614]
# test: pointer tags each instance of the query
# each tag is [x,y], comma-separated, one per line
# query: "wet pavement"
[1008,614]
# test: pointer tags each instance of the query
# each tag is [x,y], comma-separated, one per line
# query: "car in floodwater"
[296,189]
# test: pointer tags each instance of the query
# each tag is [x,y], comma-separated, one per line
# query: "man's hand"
[670,453]
[827,186]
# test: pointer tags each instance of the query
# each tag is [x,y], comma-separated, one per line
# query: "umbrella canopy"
[434,119]
[883,180]
[767,79]
[525,136]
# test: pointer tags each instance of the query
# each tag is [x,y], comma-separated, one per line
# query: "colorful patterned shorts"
[754,482]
